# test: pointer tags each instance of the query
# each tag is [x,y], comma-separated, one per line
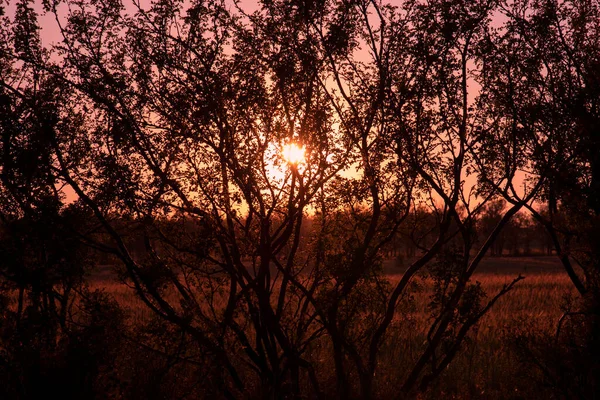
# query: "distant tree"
[489,218]
[524,234]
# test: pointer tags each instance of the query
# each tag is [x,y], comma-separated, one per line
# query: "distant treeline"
[522,235]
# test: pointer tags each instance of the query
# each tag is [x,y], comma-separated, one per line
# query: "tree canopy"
[154,132]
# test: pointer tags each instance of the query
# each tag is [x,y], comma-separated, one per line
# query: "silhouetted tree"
[53,341]
[546,71]
[167,121]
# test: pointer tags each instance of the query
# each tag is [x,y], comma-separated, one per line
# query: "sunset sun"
[293,153]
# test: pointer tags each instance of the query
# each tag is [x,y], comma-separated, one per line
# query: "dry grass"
[488,367]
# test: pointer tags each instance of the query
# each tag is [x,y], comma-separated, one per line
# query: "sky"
[51,34]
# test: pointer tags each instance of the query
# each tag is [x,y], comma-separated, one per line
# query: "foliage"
[163,125]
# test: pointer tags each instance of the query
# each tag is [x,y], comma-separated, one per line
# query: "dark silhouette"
[150,138]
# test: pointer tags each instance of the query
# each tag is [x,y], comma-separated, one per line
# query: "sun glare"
[293,154]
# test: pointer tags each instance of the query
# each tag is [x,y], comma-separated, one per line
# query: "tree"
[46,342]
[549,53]
[176,115]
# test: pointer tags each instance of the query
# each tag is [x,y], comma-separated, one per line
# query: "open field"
[488,366]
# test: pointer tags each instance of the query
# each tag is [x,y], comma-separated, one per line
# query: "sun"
[293,154]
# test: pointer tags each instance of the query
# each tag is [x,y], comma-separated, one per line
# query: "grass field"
[488,366]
